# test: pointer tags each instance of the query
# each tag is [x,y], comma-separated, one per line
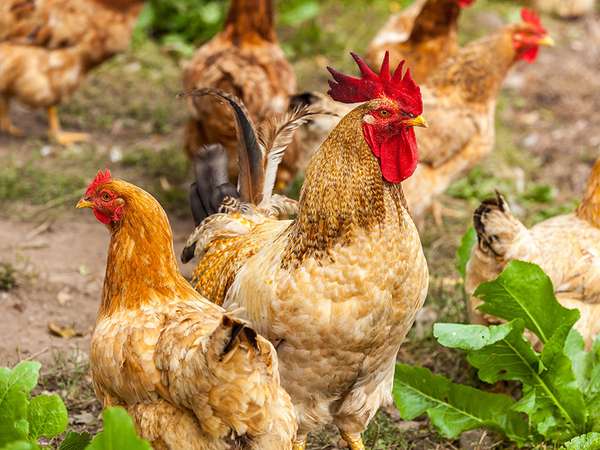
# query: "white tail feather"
[274,138]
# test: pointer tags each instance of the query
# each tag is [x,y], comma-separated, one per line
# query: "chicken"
[460,100]
[566,247]
[424,34]
[351,256]
[245,60]
[192,375]
[566,8]
[48,46]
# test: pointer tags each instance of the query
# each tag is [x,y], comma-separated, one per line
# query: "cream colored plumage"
[566,247]
[335,290]
[192,375]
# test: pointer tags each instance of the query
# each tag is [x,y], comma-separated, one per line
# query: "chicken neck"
[141,265]
[589,209]
[343,192]
[250,22]
[476,73]
[436,18]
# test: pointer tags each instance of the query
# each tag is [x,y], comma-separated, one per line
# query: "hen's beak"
[418,121]
[83,203]
[547,41]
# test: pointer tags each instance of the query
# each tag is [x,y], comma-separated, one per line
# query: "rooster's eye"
[384,113]
[105,196]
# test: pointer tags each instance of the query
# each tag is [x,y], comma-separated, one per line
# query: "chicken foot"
[62,137]
[5,122]
[354,440]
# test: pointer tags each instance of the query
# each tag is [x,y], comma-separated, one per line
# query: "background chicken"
[566,8]
[245,60]
[191,375]
[352,255]
[48,46]
[566,247]
[424,34]
[460,100]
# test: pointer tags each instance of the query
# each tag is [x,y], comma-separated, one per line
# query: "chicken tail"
[212,186]
[250,156]
[496,227]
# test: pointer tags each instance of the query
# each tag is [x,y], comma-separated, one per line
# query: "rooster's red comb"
[465,3]
[398,87]
[532,18]
[101,178]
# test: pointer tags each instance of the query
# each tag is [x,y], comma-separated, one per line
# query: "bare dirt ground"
[548,137]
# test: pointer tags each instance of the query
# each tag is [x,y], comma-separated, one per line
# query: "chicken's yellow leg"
[5,123]
[354,440]
[56,133]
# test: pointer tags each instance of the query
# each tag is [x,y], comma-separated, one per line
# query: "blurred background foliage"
[305,26]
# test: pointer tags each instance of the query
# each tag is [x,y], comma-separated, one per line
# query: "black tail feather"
[211,186]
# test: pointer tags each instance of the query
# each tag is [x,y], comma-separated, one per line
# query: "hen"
[244,60]
[566,247]
[460,100]
[192,375]
[337,289]
[424,34]
[48,46]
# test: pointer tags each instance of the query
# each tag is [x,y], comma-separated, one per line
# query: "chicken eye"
[384,113]
[105,196]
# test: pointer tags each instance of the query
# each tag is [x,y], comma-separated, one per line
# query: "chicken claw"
[354,440]
[5,122]
[7,127]
[68,138]
[59,136]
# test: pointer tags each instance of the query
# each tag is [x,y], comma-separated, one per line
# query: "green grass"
[32,183]
[8,277]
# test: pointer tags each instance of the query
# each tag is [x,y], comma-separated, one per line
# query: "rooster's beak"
[83,203]
[418,121]
[547,41]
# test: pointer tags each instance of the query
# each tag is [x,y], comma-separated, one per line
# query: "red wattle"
[103,218]
[397,154]
[530,54]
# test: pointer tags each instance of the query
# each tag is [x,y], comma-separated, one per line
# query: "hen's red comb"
[403,89]
[532,18]
[100,179]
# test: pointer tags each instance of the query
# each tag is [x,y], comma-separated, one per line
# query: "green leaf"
[118,433]
[524,291]
[581,360]
[590,441]
[47,416]
[593,409]
[21,445]
[469,337]
[553,402]
[75,441]
[454,408]
[15,386]
[463,253]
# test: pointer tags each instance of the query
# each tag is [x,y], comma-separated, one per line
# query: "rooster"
[566,247]
[48,46]
[351,256]
[192,375]
[424,34]
[460,100]
[244,60]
